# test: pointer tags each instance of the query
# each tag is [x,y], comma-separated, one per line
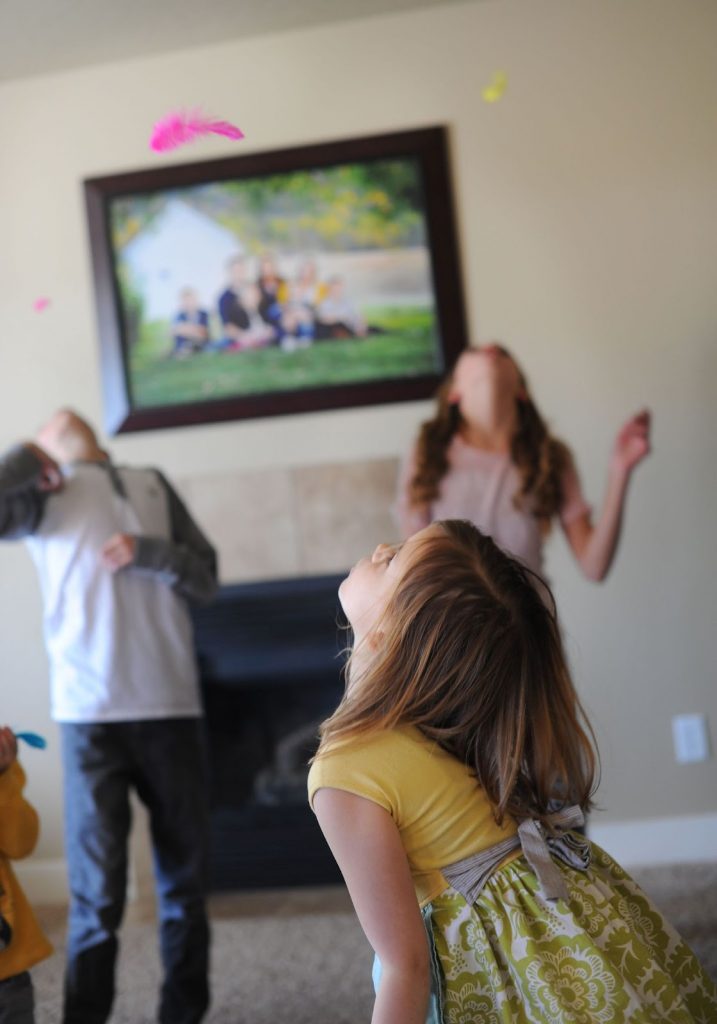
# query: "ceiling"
[43,36]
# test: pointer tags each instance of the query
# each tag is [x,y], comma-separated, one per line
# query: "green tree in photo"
[374,205]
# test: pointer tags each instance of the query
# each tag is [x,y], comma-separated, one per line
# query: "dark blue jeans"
[17,1002]
[165,762]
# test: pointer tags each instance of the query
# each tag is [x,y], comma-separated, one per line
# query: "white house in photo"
[183,247]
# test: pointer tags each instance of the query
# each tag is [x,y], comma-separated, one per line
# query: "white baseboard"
[44,882]
[653,841]
[645,843]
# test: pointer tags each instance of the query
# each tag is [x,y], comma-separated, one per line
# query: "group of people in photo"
[267,308]
[451,782]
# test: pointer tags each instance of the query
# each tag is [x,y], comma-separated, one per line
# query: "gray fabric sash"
[470,875]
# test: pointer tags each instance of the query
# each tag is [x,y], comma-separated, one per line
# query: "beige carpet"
[299,956]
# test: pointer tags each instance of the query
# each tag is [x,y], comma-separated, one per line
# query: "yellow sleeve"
[362,766]
[19,823]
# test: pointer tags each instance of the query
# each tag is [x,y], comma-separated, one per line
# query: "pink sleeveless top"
[480,486]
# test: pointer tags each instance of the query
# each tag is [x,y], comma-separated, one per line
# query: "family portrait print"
[251,286]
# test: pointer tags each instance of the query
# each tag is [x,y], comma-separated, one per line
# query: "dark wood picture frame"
[429,146]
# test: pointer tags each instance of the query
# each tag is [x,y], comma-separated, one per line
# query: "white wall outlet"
[691,738]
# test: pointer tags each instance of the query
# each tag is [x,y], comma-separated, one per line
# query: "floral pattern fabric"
[606,956]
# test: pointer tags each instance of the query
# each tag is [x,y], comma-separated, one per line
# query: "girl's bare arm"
[594,545]
[367,846]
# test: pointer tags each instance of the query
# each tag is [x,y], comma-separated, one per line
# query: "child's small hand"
[633,442]
[118,552]
[8,748]
[50,478]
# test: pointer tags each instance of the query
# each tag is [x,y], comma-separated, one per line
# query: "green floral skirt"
[605,957]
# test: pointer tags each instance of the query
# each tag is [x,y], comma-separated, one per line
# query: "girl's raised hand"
[632,444]
[8,748]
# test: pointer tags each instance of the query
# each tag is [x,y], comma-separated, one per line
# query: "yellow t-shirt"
[440,810]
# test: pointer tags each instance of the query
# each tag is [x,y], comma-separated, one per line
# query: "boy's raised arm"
[27,476]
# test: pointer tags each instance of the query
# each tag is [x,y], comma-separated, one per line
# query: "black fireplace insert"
[270,659]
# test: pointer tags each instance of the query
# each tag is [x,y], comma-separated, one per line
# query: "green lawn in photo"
[408,348]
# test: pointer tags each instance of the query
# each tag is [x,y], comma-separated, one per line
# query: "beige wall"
[588,205]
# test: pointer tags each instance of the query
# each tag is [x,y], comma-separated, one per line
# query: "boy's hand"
[50,478]
[118,552]
[8,748]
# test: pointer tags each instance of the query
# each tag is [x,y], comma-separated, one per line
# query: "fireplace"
[270,666]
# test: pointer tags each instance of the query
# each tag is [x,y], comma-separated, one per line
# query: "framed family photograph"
[294,280]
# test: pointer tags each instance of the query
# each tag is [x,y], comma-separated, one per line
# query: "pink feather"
[182,127]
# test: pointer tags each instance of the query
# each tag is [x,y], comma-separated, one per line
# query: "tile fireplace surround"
[300,521]
[269,656]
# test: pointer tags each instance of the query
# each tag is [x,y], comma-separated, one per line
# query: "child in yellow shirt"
[22,942]
[448,784]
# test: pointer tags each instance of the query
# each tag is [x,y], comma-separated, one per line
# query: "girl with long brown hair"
[447,783]
[487,455]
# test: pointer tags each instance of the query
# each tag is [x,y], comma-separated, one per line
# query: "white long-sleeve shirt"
[119,643]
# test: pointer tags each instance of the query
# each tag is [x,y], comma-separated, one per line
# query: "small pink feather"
[181,127]
[40,304]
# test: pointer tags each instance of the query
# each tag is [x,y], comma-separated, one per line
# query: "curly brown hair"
[471,655]
[540,458]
